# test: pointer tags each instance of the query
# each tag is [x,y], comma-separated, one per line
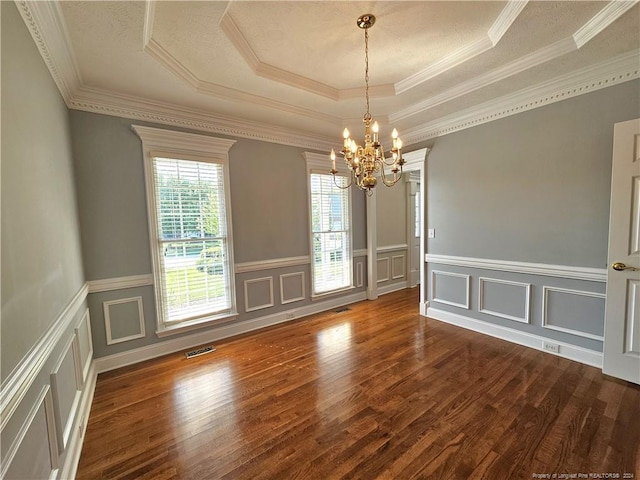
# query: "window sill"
[332,293]
[168,330]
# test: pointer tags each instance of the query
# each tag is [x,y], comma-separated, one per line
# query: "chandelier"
[365,161]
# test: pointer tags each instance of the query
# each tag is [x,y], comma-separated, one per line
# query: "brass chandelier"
[364,162]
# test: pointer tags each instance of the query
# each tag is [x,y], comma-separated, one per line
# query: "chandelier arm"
[348,185]
[395,178]
[388,164]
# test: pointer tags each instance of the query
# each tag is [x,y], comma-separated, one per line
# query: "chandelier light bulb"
[345,133]
[375,127]
[394,134]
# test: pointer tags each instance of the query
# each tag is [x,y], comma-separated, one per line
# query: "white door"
[413,228]
[622,312]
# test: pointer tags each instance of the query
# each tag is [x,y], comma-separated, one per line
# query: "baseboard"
[393,287]
[137,355]
[571,352]
[74,449]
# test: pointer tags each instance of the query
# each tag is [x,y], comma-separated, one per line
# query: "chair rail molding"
[548,270]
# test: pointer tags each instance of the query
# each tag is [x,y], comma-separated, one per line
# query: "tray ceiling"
[299,66]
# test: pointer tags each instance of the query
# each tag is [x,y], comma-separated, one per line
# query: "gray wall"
[533,187]
[45,340]
[41,257]
[269,208]
[391,214]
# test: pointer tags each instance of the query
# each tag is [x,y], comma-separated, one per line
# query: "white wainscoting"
[47,398]
[292,281]
[254,294]
[359,274]
[34,450]
[383,269]
[466,286]
[111,339]
[66,392]
[551,280]
[398,266]
[83,343]
[547,321]
[525,300]
[19,381]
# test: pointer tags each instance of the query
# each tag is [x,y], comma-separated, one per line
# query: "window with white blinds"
[330,234]
[193,260]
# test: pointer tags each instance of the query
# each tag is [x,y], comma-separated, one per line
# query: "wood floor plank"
[375,392]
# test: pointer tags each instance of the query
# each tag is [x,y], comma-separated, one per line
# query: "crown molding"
[505,19]
[620,69]
[600,21]
[47,27]
[158,52]
[507,16]
[447,62]
[241,44]
[126,106]
[162,56]
[149,19]
[507,70]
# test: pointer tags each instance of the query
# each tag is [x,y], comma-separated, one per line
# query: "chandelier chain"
[366,69]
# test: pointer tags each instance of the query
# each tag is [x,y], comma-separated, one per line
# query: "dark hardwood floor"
[374,392]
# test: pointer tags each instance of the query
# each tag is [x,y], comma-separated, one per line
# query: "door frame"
[414,161]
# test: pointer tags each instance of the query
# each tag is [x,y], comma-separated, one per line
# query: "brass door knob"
[619,266]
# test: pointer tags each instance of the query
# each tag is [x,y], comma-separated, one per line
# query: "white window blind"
[192,239]
[330,232]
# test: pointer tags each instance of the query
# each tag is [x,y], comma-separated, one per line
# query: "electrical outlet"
[290,315]
[551,347]
[431,233]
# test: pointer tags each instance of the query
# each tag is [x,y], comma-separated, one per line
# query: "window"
[189,221]
[330,234]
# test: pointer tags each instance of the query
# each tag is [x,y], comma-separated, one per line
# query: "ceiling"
[294,71]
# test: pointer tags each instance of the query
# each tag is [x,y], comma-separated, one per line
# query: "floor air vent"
[342,309]
[200,351]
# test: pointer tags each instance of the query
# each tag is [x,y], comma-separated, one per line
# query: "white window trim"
[321,164]
[157,142]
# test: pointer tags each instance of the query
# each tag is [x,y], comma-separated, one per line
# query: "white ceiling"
[294,71]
